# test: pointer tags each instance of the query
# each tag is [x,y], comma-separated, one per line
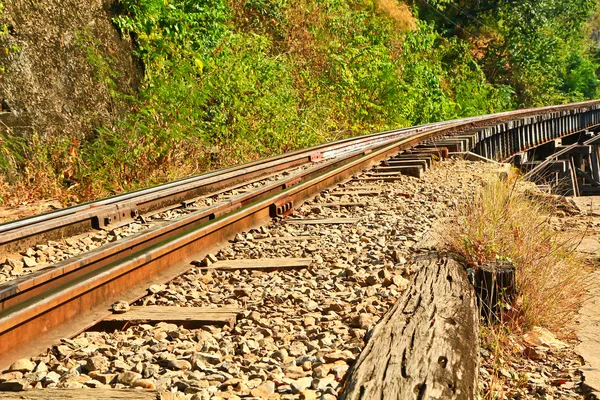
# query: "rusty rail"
[39,309]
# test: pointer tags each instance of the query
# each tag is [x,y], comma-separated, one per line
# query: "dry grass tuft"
[502,222]
[399,12]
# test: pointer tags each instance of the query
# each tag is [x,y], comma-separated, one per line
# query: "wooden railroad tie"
[348,204]
[393,178]
[286,238]
[357,192]
[414,170]
[426,345]
[362,187]
[440,152]
[264,264]
[453,145]
[179,315]
[87,394]
[428,157]
[408,162]
[322,221]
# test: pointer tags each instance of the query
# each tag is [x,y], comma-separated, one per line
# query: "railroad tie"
[391,172]
[262,264]
[287,238]
[391,164]
[440,152]
[429,158]
[179,315]
[86,394]
[322,221]
[345,205]
[390,178]
[356,193]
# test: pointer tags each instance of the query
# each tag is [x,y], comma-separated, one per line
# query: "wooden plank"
[404,163]
[381,179]
[347,204]
[286,238]
[416,171]
[362,187]
[262,264]
[471,139]
[357,192]
[322,221]
[440,152]
[453,145]
[469,156]
[412,156]
[198,315]
[85,394]
[425,347]
[398,168]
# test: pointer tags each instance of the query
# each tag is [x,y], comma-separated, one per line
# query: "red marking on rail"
[316,157]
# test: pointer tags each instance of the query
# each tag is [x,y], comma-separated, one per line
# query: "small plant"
[501,223]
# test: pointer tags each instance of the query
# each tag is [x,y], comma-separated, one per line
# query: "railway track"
[61,300]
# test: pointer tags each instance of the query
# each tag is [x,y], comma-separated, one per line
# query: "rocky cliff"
[50,54]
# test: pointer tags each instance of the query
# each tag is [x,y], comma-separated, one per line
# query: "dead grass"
[399,12]
[501,222]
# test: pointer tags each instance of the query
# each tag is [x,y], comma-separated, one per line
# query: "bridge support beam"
[566,140]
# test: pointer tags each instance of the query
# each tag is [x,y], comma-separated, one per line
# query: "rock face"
[48,84]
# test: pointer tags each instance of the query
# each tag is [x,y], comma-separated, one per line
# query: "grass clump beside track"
[500,221]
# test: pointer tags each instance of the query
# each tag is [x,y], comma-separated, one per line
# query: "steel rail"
[47,310]
[15,291]
[39,309]
[25,232]
[16,235]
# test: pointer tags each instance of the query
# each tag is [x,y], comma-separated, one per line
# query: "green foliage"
[537,47]
[228,81]
[249,93]
[171,32]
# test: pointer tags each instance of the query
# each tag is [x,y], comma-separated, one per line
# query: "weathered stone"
[15,385]
[322,383]
[128,377]
[120,365]
[300,385]
[308,395]
[120,307]
[41,367]
[103,378]
[97,363]
[535,354]
[338,355]
[144,383]
[321,371]
[29,262]
[16,266]
[401,282]
[22,365]
[51,377]
[265,390]
[94,384]
[339,370]
[363,321]
[178,365]
[9,376]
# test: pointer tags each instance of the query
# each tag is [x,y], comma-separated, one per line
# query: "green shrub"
[251,78]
